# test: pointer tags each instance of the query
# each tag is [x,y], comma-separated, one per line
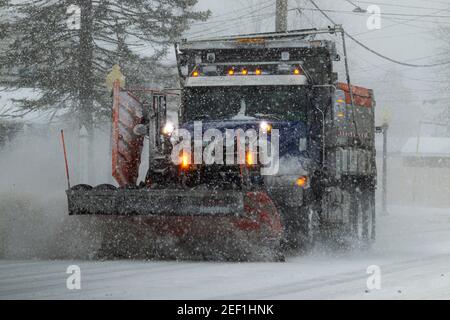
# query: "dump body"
[351,133]
[349,124]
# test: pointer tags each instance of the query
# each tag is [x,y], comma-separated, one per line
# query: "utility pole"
[384,129]
[281,15]
[447,118]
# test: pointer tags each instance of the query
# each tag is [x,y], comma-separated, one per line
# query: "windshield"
[287,103]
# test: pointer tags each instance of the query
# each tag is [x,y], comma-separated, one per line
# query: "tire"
[357,231]
[81,187]
[278,255]
[368,202]
[362,228]
[301,229]
[105,186]
[309,230]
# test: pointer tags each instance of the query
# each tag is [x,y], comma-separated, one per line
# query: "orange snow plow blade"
[224,222]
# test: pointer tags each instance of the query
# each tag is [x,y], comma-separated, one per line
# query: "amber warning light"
[185,160]
[301,181]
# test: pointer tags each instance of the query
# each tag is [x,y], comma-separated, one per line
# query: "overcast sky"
[415,41]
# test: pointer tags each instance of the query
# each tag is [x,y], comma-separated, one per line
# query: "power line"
[364,68]
[230,23]
[396,61]
[382,14]
[396,24]
[397,20]
[440,2]
[248,21]
[411,100]
[399,5]
[398,35]
[249,9]
[375,52]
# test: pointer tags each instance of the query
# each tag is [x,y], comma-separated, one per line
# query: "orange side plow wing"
[128,112]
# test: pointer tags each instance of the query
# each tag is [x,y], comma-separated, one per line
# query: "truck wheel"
[301,229]
[309,230]
[104,187]
[278,255]
[368,202]
[83,187]
[362,219]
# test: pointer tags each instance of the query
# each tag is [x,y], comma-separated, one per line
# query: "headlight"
[168,129]
[265,127]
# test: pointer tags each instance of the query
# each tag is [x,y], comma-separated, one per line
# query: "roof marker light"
[195,73]
[230,72]
[296,71]
[258,72]
[244,72]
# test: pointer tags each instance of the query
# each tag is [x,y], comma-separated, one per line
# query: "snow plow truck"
[319,183]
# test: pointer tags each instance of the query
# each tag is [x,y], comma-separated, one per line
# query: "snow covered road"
[412,251]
